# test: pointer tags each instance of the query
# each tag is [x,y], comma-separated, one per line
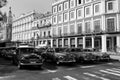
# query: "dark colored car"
[7,52]
[82,55]
[101,56]
[58,55]
[27,56]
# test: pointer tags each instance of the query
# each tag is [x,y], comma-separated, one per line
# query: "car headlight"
[60,57]
[22,58]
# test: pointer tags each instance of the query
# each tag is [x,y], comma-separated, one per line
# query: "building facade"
[43,29]
[22,27]
[86,24]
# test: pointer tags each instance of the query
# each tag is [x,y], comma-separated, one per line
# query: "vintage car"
[89,54]
[27,56]
[7,52]
[82,55]
[58,55]
[101,56]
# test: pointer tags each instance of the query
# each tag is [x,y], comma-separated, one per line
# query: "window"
[54,20]
[72,3]
[79,1]
[88,42]
[54,9]
[54,43]
[72,15]
[65,30]
[60,43]
[110,24]
[72,29]
[87,27]
[60,18]
[96,8]
[79,28]
[87,10]
[54,31]
[60,7]
[72,42]
[110,5]
[80,42]
[79,13]
[66,5]
[59,31]
[97,26]
[65,17]
[49,33]
[44,34]
[66,42]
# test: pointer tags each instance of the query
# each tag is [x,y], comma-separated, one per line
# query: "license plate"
[32,62]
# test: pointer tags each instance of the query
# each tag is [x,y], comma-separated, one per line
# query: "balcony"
[44,25]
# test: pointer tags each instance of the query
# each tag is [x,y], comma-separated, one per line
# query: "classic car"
[9,52]
[58,55]
[82,55]
[101,56]
[89,54]
[27,56]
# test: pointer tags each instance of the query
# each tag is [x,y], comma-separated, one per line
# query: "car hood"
[60,54]
[29,55]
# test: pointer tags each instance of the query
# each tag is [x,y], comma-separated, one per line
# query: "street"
[49,71]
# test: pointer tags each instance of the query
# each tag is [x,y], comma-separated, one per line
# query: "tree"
[2,4]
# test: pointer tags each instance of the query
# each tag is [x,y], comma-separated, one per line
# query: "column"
[104,43]
[69,42]
[56,42]
[92,41]
[84,42]
[118,20]
[62,42]
[76,42]
[118,43]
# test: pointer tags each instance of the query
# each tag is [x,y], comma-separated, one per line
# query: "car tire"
[20,66]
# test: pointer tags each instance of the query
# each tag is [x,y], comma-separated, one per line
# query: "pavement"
[104,70]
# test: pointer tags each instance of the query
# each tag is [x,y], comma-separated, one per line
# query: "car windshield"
[26,50]
[59,50]
[76,50]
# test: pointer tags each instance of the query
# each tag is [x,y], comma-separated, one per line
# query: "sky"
[23,6]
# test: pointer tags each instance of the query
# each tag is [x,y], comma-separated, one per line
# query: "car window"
[50,50]
[59,49]
[26,50]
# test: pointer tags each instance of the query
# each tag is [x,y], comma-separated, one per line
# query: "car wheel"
[20,66]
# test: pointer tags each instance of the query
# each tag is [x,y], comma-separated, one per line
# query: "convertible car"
[27,56]
[58,55]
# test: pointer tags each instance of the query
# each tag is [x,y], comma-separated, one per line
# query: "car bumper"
[67,61]
[31,63]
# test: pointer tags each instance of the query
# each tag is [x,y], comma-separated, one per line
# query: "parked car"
[9,52]
[101,56]
[27,56]
[58,55]
[82,55]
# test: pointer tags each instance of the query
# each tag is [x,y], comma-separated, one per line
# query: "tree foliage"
[3,3]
